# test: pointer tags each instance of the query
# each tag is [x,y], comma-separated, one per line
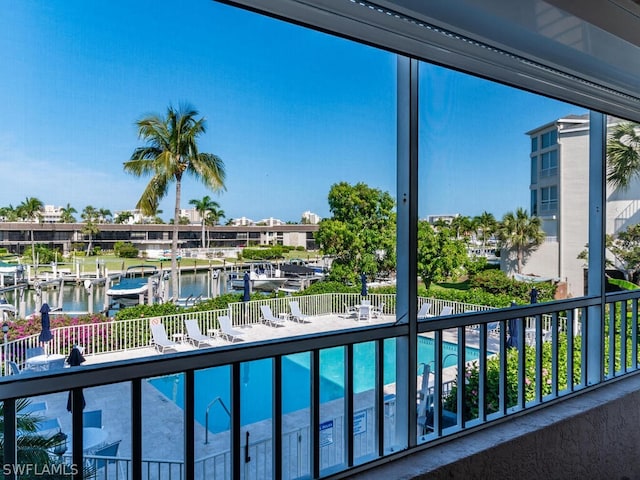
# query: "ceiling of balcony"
[584,51]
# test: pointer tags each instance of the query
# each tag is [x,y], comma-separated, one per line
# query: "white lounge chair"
[194,335]
[227,331]
[446,310]
[160,340]
[269,319]
[296,314]
[424,310]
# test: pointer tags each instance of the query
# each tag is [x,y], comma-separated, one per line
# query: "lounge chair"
[296,314]
[160,339]
[446,310]
[227,331]
[269,319]
[424,310]
[194,335]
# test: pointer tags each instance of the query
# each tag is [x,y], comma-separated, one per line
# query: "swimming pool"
[256,384]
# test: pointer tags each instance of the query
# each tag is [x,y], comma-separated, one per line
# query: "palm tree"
[486,223]
[8,214]
[90,217]
[34,448]
[172,151]
[462,225]
[521,232]
[212,219]
[623,155]
[66,214]
[105,215]
[204,206]
[29,210]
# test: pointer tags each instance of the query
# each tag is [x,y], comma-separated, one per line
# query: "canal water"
[75,297]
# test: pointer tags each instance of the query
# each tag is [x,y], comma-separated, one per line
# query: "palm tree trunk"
[33,252]
[203,242]
[174,243]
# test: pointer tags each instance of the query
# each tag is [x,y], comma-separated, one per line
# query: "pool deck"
[164,420]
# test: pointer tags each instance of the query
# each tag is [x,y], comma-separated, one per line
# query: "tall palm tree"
[29,210]
[171,151]
[203,207]
[623,155]
[66,214]
[90,216]
[521,232]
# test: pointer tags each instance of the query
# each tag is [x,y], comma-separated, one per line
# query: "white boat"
[134,283]
[264,277]
[8,268]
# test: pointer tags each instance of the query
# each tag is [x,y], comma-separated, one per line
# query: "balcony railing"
[551,362]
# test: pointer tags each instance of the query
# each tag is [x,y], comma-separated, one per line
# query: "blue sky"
[290,111]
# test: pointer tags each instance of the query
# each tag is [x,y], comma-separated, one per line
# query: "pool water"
[256,381]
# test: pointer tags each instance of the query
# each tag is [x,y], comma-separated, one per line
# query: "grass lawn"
[113,263]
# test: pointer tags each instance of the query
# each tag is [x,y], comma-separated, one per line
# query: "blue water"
[256,381]
[75,297]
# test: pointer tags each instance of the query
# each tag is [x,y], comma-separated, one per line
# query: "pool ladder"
[206,416]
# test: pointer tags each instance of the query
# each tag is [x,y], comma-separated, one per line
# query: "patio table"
[45,362]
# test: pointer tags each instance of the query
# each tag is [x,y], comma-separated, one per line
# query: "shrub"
[270,253]
[497,283]
[328,287]
[44,254]
[138,311]
[472,373]
[125,250]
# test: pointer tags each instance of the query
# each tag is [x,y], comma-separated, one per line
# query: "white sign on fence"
[359,422]
[326,433]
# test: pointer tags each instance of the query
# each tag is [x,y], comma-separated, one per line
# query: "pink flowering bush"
[90,329]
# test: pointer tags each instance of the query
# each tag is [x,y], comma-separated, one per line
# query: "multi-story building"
[16,236]
[559,169]
[51,214]
[310,217]
[586,428]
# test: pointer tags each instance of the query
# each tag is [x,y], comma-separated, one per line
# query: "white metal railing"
[112,336]
[538,383]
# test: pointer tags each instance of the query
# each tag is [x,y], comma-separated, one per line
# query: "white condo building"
[559,161]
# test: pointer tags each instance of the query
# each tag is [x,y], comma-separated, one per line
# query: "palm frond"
[623,156]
